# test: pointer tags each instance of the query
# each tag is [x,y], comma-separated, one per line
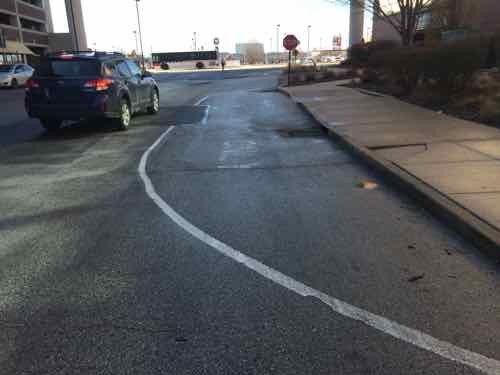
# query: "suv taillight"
[32,84]
[99,84]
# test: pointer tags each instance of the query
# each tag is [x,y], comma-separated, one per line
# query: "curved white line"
[409,335]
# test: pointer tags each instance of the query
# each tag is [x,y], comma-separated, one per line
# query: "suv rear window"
[68,68]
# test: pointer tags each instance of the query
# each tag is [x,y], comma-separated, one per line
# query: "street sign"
[290,42]
[216,41]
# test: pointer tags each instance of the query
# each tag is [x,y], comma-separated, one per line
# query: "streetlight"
[269,58]
[194,40]
[140,33]
[278,38]
[136,42]
[309,39]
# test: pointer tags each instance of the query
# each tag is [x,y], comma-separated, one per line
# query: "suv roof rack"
[89,53]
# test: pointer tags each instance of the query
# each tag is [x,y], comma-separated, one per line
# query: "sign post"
[290,43]
[216,44]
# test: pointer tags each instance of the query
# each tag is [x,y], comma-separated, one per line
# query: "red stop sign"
[290,42]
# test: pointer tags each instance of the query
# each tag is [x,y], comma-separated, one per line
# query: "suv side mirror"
[146,74]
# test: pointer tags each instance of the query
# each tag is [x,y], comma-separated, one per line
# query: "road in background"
[94,278]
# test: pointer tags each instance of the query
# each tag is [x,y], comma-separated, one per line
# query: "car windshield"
[68,68]
[6,68]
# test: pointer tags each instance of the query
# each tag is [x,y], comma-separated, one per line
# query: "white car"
[15,75]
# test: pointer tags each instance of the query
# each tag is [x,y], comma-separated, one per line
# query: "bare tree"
[402,15]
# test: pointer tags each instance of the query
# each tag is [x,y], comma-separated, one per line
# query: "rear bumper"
[64,113]
[99,109]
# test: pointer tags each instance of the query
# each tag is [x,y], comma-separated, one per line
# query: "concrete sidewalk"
[440,156]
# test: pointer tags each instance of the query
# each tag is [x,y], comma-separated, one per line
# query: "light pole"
[140,33]
[309,39]
[269,59]
[136,43]
[194,40]
[278,38]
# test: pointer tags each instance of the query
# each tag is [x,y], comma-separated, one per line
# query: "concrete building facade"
[76,25]
[357,21]
[25,26]
[251,53]
[481,16]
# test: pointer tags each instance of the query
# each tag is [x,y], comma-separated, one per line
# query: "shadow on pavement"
[76,130]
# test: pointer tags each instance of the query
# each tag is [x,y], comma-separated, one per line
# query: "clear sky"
[169,25]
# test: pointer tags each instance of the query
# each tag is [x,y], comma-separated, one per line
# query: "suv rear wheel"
[123,122]
[51,125]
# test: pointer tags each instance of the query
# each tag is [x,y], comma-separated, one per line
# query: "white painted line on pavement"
[199,102]
[401,332]
[205,116]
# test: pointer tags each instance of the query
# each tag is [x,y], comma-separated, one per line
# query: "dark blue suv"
[89,85]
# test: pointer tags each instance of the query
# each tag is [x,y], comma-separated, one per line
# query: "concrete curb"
[465,222]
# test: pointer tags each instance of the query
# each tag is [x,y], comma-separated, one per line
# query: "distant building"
[25,26]
[26,30]
[277,57]
[76,38]
[251,53]
[61,42]
[76,25]
[479,16]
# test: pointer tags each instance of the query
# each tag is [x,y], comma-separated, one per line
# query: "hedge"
[360,54]
[448,67]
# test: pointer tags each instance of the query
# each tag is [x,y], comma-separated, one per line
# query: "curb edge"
[462,221]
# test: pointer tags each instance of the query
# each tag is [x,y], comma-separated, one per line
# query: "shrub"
[490,50]
[359,54]
[299,68]
[404,65]
[452,66]
[447,67]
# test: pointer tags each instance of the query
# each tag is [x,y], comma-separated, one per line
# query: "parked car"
[90,85]
[309,62]
[15,75]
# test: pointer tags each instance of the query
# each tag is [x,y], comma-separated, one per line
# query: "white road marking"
[389,327]
[199,102]
[205,116]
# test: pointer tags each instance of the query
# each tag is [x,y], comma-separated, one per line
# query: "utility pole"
[136,43]
[140,33]
[278,38]
[269,60]
[309,40]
